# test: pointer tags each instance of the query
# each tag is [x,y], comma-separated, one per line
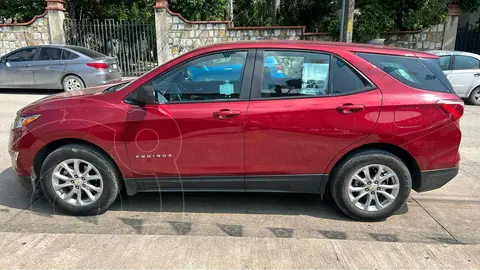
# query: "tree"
[12,11]
[200,10]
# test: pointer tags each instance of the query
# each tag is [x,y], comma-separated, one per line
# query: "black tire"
[111,186]
[344,172]
[472,99]
[78,81]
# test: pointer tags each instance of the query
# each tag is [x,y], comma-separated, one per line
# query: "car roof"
[318,45]
[446,52]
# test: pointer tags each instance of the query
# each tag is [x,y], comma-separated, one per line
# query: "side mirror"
[144,96]
[2,59]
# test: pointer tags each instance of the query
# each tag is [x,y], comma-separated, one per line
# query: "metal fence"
[132,42]
[468,39]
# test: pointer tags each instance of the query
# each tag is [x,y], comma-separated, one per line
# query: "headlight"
[22,121]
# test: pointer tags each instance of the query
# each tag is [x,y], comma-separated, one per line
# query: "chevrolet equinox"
[364,123]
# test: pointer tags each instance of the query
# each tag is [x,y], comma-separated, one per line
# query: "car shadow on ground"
[12,195]
[29,91]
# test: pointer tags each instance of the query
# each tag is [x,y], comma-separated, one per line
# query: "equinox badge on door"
[154,156]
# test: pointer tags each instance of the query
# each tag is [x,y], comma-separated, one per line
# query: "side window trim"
[247,76]
[258,76]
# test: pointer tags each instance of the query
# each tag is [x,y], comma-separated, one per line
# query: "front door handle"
[27,65]
[476,74]
[60,63]
[226,113]
[350,108]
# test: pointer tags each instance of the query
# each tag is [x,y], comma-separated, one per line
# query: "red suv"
[365,123]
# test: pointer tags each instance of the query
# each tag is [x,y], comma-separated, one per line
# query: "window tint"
[47,54]
[466,62]
[345,80]
[445,62]
[212,77]
[290,74]
[87,52]
[68,55]
[22,55]
[411,71]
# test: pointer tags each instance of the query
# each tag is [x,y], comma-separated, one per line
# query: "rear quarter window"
[421,73]
[87,52]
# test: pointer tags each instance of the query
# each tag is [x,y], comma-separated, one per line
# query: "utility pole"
[346,20]
[230,10]
[276,9]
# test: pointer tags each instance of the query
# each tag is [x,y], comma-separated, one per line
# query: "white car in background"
[463,71]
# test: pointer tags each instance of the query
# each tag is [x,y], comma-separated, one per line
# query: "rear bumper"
[434,179]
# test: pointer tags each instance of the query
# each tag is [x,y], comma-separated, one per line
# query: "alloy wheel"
[373,187]
[77,182]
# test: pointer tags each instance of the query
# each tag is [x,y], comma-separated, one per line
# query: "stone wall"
[428,39]
[182,35]
[14,36]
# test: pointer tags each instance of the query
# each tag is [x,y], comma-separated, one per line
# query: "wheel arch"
[401,153]
[53,145]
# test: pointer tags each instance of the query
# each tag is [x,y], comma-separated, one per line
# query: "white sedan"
[463,72]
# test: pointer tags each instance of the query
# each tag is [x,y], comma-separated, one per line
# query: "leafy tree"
[12,11]
[204,10]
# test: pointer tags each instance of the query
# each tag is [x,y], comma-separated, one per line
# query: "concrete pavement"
[437,229]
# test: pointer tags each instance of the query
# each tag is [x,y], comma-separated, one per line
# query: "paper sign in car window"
[226,89]
[314,78]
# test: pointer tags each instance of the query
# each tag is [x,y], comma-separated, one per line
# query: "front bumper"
[434,179]
[27,182]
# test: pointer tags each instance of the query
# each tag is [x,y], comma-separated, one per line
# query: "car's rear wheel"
[474,97]
[371,185]
[79,180]
[72,83]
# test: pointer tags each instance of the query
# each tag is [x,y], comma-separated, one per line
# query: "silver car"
[57,67]
[463,72]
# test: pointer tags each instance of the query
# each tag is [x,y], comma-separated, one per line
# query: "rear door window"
[420,73]
[463,62]
[48,54]
[68,55]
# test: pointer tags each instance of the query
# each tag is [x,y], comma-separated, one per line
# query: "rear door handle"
[60,63]
[476,74]
[350,108]
[226,113]
[27,65]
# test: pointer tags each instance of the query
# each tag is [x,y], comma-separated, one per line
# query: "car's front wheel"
[79,180]
[371,185]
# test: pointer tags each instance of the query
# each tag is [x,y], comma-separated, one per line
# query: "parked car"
[463,71]
[342,121]
[57,67]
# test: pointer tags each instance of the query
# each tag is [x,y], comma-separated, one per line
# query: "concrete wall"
[431,38]
[14,36]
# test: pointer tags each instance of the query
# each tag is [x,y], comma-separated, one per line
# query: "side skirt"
[312,183]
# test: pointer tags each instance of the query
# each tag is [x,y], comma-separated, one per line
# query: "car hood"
[88,92]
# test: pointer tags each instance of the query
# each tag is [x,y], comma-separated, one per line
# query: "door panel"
[301,136]
[461,80]
[17,71]
[297,128]
[194,129]
[175,140]
[48,70]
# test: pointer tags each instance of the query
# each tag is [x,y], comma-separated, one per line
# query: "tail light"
[452,108]
[280,68]
[98,65]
